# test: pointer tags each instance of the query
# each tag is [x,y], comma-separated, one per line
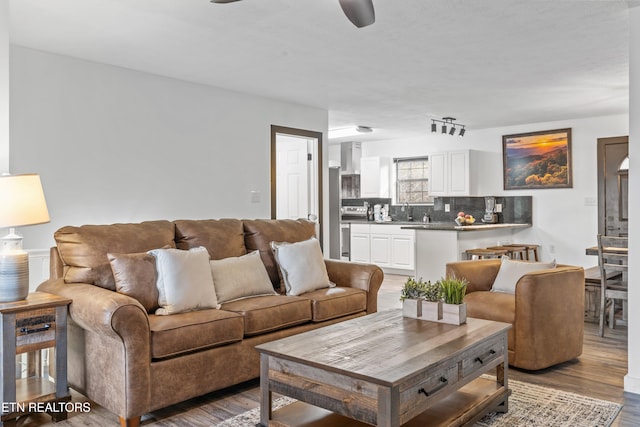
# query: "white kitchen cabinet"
[450,173]
[386,245]
[374,177]
[359,250]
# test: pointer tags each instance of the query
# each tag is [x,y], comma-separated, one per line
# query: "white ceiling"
[488,63]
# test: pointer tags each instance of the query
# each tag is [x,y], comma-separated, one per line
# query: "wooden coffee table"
[386,370]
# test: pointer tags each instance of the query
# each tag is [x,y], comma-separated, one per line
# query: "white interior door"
[293,177]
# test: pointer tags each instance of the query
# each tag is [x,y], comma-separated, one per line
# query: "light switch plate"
[255,196]
[447,207]
[498,207]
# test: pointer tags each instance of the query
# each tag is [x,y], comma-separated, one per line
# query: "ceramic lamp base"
[14,276]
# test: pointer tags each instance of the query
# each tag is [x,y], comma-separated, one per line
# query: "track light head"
[452,131]
[434,127]
[444,128]
[461,134]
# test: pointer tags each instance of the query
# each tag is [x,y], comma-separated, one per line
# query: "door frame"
[305,134]
[602,142]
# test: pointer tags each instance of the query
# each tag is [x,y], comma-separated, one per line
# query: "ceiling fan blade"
[359,12]
[223,1]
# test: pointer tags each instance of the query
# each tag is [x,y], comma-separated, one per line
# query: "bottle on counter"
[369,213]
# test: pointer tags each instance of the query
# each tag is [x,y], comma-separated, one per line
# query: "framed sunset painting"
[537,160]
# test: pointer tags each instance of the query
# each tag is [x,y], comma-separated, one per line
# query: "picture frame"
[537,160]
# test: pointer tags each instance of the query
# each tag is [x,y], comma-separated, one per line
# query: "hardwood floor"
[598,373]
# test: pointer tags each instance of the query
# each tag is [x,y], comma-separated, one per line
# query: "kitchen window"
[412,180]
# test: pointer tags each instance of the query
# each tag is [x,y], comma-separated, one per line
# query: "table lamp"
[21,203]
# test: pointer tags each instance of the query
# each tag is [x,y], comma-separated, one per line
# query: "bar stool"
[514,252]
[530,248]
[482,253]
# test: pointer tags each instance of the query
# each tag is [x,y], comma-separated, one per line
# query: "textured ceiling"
[487,62]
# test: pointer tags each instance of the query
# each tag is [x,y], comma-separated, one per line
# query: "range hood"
[350,154]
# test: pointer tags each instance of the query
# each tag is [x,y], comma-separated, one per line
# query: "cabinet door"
[380,246]
[403,251]
[458,173]
[360,247]
[438,174]
[374,177]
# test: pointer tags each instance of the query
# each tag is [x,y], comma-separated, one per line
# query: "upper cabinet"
[374,177]
[450,173]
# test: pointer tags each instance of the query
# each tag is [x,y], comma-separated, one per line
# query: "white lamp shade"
[22,201]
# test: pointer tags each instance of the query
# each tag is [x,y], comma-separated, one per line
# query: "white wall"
[116,145]
[560,217]
[632,380]
[4,86]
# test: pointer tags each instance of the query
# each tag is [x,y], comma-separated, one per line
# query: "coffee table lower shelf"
[463,407]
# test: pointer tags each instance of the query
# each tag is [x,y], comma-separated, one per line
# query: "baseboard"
[631,384]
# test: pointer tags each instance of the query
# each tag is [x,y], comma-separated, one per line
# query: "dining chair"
[613,254]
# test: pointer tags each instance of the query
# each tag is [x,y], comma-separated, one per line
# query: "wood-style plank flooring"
[598,373]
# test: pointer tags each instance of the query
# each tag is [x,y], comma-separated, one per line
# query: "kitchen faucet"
[407,210]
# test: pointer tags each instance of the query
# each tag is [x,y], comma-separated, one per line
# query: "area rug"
[529,405]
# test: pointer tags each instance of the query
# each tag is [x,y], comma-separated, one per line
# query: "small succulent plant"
[417,289]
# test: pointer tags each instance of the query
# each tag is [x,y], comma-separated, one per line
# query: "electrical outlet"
[447,207]
[498,207]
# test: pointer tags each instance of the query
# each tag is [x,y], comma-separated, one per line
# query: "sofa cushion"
[184,280]
[511,271]
[223,238]
[192,331]
[301,265]
[259,233]
[135,276]
[331,303]
[497,306]
[240,277]
[270,313]
[84,249]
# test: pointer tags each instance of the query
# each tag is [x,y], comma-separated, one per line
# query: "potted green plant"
[421,300]
[454,310]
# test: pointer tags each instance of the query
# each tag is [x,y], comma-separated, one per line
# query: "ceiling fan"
[359,12]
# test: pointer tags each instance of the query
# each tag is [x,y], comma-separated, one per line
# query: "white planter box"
[423,310]
[455,314]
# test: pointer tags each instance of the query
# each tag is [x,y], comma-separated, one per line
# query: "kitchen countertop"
[451,226]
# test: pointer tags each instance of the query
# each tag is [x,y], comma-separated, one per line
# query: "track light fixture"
[447,121]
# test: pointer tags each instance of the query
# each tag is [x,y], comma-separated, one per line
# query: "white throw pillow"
[184,280]
[511,271]
[240,277]
[302,266]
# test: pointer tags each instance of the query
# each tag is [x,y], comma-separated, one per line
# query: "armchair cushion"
[330,303]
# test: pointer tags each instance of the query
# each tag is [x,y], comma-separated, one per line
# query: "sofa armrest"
[112,349]
[99,310]
[550,314]
[367,277]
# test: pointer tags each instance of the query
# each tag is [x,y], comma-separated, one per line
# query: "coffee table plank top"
[370,347]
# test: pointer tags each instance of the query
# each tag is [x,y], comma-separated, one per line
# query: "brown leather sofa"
[133,362]
[546,312]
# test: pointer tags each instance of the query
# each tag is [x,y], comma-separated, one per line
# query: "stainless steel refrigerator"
[334,213]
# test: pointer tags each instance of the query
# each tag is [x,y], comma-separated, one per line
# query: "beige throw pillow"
[302,266]
[511,271]
[240,277]
[184,280]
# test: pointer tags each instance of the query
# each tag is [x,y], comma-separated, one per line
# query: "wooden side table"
[31,325]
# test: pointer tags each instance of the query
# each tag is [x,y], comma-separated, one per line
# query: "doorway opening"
[613,186]
[296,175]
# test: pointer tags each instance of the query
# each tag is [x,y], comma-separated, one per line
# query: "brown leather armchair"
[546,311]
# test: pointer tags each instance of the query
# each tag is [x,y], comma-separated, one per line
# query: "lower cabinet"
[385,245]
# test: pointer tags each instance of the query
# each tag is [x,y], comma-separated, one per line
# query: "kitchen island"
[440,243]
